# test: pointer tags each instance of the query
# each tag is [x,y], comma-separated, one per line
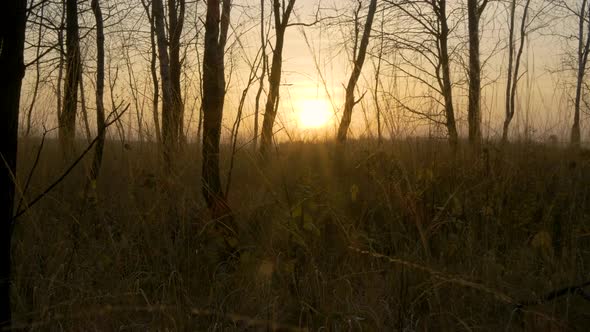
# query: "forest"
[294,165]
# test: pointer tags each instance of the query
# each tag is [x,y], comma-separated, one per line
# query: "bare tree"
[377,68]
[216,30]
[263,42]
[83,107]
[359,60]
[60,66]
[583,14]
[168,136]
[12,40]
[176,10]
[252,77]
[281,19]
[514,64]
[170,73]
[474,12]
[154,72]
[67,116]
[37,72]
[427,36]
[100,114]
[440,9]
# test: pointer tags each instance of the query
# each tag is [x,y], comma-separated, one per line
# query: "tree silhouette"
[12,39]
[359,60]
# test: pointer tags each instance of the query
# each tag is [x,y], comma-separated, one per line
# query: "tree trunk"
[583,50]
[168,131]
[274,79]
[474,107]
[216,27]
[60,69]
[378,80]
[12,39]
[262,75]
[154,73]
[37,73]
[67,119]
[514,66]
[447,87]
[84,110]
[100,116]
[509,113]
[359,60]
[176,9]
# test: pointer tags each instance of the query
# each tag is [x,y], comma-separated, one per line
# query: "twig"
[555,294]
[69,169]
[441,276]
[32,171]
[518,305]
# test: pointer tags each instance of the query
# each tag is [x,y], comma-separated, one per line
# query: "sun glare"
[313,113]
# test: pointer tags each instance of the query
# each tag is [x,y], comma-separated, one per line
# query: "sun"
[313,113]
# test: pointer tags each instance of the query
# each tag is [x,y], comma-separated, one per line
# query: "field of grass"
[409,236]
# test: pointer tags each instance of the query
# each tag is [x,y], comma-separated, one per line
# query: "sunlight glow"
[313,113]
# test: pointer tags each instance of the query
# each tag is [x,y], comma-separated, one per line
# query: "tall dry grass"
[408,236]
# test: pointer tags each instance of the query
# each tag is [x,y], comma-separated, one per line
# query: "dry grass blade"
[441,276]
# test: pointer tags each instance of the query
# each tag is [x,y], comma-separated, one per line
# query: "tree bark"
[60,70]
[447,87]
[67,118]
[583,50]
[216,28]
[154,73]
[359,60]
[83,109]
[378,80]
[100,116]
[12,39]
[168,131]
[263,41]
[37,73]
[274,79]
[176,9]
[474,11]
[514,66]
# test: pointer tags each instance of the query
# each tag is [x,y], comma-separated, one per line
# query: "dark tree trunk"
[100,116]
[168,132]
[349,101]
[154,73]
[12,39]
[508,109]
[60,69]
[447,87]
[216,27]
[378,81]
[262,75]
[583,50]
[274,79]
[474,108]
[176,9]
[83,109]
[514,66]
[67,118]
[37,73]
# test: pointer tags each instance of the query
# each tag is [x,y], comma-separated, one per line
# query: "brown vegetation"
[484,231]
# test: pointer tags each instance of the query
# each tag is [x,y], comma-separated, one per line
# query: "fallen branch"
[441,276]
[518,305]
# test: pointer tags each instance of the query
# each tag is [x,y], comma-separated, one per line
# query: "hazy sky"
[543,101]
